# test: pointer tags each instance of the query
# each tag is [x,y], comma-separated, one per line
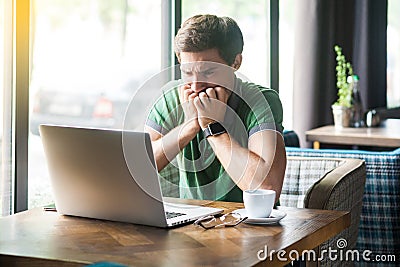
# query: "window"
[4,179]
[286,57]
[393,54]
[88,58]
[6,46]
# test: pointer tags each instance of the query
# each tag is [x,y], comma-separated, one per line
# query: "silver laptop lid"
[94,175]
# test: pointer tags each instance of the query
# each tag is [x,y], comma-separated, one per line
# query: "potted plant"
[342,108]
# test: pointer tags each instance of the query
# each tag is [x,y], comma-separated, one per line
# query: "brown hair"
[202,32]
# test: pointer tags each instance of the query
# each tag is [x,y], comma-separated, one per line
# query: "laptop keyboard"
[171,214]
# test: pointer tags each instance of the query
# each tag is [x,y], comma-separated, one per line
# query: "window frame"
[21,102]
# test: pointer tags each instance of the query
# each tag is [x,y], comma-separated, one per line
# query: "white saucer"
[276,216]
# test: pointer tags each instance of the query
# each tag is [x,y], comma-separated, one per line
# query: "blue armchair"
[379,229]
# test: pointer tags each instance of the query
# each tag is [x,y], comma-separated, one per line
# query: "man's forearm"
[247,169]
[167,147]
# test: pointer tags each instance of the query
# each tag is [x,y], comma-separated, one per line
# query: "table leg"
[316,145]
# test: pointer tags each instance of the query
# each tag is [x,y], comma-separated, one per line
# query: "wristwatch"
[214,128]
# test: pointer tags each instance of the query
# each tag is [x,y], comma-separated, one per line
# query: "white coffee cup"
[259,202]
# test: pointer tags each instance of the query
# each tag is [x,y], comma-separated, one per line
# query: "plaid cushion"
[169,180]
[300,175]
[309,177]
[379,229]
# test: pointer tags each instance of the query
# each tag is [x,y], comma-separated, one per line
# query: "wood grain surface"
[42,238]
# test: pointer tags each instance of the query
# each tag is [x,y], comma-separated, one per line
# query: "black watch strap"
[214,128]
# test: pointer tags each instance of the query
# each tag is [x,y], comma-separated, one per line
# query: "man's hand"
[187,96]
[211,105]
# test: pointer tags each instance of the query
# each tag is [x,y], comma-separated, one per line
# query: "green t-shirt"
[251,108]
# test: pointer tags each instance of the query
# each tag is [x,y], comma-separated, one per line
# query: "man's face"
[205,69]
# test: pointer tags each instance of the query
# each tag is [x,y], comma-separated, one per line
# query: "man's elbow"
[274,178]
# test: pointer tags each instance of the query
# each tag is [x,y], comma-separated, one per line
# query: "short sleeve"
[267,113]
[263,109]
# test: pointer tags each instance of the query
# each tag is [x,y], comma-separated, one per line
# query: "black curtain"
[359,27]
[369,51]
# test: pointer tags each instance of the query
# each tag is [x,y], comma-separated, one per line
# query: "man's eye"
[208,73]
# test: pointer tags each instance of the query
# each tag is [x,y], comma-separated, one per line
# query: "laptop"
[111,175]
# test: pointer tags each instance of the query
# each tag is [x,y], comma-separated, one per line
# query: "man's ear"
[178,56]
[237,62]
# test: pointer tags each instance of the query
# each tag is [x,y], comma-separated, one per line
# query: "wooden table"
[387,135]
[44,238]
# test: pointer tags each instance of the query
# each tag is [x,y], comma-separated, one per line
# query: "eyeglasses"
[228,220]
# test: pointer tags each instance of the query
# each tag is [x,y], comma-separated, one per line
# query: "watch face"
[216,128]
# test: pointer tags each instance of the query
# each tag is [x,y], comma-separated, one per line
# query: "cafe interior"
[88,63]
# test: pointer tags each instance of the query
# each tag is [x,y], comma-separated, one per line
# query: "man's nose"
[197,86]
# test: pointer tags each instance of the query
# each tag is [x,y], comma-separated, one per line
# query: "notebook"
[111,175]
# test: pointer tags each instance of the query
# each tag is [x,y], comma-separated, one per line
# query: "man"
[225,134]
